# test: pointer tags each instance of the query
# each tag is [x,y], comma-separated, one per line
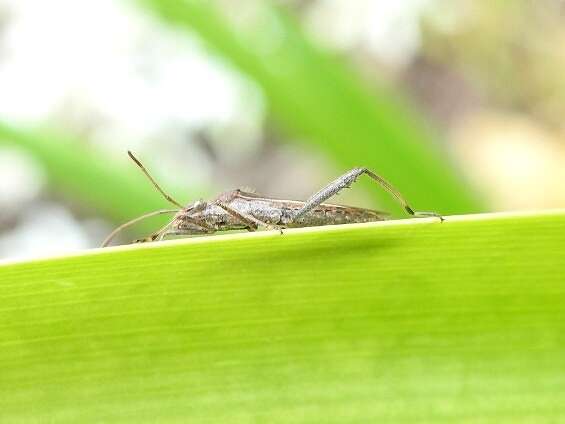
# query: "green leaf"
[402,321]
[325,104]
[120,191]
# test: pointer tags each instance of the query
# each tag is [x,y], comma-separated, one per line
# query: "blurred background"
[458,103]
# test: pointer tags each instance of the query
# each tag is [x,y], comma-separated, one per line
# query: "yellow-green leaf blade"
[411,321]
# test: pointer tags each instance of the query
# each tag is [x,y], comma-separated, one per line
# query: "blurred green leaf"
[118,191]
[406,321]
[320,100]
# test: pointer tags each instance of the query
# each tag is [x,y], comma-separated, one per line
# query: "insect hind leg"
[345,181]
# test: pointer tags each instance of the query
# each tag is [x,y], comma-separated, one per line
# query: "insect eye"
[197,206]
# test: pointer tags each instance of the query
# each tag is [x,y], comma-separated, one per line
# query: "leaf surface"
[402,321]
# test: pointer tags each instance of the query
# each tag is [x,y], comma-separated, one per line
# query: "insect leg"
[345,181]
[249,220]
[133,221]
[156,235]
[164,231]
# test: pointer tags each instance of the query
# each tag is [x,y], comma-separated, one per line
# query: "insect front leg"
[165,230]
[345,181]
[247,219]
[156,235]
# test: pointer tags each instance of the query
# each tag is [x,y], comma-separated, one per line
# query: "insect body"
[240,210]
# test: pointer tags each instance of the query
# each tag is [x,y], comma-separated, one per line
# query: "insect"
[241,210]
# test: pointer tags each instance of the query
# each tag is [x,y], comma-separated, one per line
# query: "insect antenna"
[133,221]
[165,195]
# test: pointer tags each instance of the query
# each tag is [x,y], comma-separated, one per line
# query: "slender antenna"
[133,221]
[165,195]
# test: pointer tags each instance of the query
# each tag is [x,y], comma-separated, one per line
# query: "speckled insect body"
[274,213]
[241,210]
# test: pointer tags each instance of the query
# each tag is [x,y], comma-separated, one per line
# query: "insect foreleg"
[157,235]
[345,181]
[249,220]
[165,230]
[133,221]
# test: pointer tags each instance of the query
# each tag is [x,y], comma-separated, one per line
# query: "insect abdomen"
[332,215]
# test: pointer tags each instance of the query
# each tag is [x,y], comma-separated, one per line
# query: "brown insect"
[240,210]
